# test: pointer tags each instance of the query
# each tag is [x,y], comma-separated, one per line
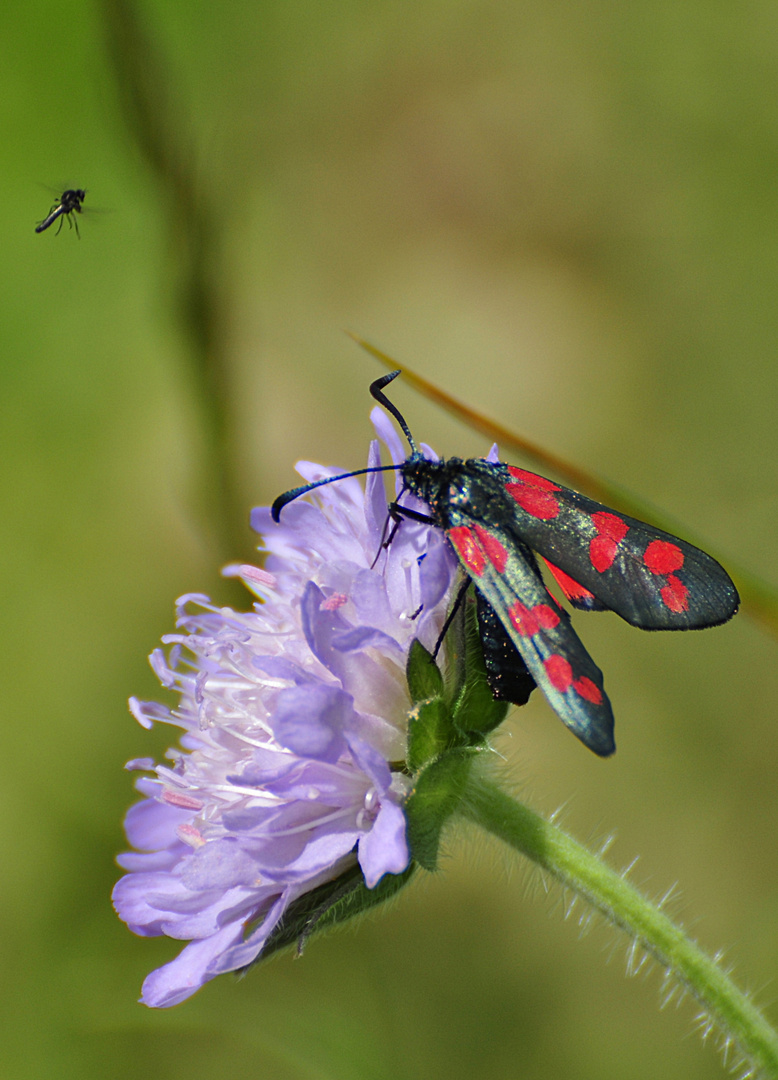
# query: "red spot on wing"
[588,689]
[560,672]
[569,586]
[528,621]
[533,493]
[675,594]
[474,546]
[611,529]
[533,479]
[662,557]
[602,552]
[468,549]
[496,552]
[610,525]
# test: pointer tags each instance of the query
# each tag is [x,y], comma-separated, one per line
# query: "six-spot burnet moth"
[498,518]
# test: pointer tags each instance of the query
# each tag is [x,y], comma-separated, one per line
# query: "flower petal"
[384,850]
[182,977]
[310,720]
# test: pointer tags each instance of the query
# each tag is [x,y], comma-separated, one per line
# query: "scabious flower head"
[295,722]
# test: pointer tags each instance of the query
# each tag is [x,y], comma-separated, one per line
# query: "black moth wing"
[650,578]
[506,575]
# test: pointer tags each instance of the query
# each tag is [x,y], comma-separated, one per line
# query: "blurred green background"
[567,215]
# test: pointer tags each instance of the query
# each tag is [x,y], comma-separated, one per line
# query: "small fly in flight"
[68,204]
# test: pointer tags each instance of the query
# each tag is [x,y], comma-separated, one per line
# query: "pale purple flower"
[294,718]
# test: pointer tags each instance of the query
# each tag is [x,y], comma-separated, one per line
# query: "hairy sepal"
[476,712]
[446,731]
[330,904]
[436,795]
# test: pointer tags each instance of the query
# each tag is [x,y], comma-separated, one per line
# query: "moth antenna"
[376,389]
[295,493]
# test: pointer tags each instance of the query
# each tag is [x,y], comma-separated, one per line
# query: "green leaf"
[430,732]
[422,673]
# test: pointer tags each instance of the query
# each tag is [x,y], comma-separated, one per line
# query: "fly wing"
[507,576]
[652,579]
